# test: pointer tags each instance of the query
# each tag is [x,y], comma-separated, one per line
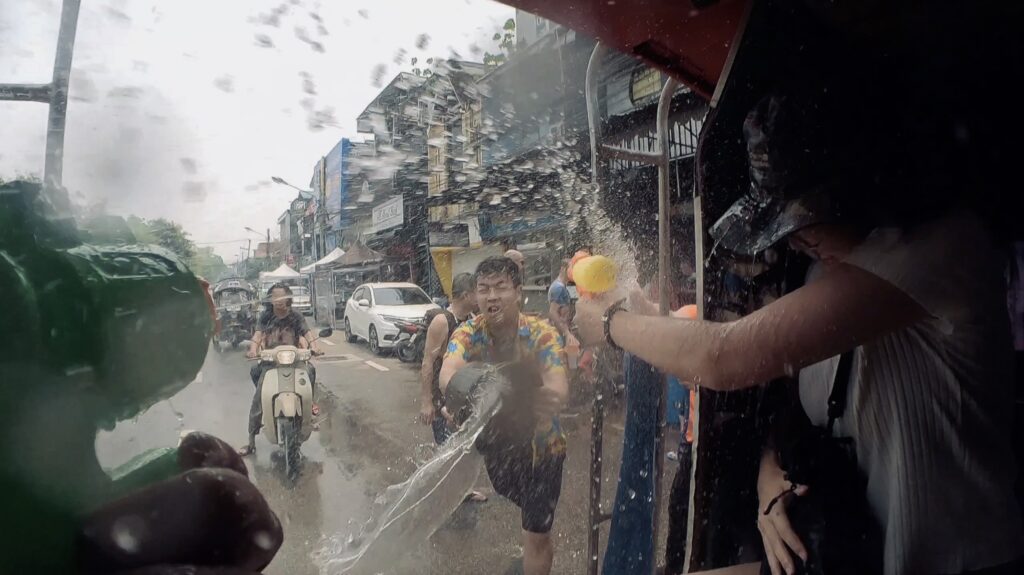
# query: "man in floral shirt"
[523,445]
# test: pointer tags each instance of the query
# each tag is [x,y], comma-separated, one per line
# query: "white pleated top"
[930,406]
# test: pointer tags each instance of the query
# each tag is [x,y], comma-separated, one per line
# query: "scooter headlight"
[285,357]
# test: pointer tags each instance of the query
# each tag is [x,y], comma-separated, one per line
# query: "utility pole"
[268,250]
[55,94]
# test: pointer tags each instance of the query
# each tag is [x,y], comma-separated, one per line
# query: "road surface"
[368,438]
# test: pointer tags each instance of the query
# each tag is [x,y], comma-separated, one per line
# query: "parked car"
[373,309]
[301,302]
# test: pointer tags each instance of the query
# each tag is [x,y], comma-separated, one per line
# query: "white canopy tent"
[329,258]
[281,273]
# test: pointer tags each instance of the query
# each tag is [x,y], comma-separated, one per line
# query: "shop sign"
[388,215]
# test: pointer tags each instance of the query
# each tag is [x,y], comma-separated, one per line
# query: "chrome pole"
[595,516]
[664,273]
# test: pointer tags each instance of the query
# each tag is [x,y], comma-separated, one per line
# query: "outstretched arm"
[844,308]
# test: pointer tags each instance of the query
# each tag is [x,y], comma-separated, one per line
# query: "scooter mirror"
[327,332]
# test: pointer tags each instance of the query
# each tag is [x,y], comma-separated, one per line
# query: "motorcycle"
[234,300]
[412,336]
[287,395]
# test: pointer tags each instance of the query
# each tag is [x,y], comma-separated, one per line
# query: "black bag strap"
[453,323]
[837,399]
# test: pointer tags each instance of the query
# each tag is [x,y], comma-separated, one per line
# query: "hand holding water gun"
[596,281]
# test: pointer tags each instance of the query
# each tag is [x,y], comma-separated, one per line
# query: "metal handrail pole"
[595,516]
[664,269]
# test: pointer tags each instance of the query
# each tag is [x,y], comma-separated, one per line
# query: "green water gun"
[93,335]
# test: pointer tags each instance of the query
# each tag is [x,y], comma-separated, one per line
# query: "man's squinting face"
[497,297]
[279,299]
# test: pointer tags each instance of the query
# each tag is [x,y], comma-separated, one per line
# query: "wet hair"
[499,265]
[462,284]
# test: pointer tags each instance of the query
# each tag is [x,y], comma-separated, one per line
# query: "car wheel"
[374,342]
[349,336]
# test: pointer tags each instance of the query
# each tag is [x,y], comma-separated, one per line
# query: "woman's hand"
[589,320]
[780,541]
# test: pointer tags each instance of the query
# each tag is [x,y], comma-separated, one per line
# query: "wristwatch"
[606,319]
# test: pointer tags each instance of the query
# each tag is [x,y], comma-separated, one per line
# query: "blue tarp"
[631,538]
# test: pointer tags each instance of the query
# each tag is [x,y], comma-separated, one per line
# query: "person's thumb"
[800,490]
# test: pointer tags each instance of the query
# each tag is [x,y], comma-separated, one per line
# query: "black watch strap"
[607,321]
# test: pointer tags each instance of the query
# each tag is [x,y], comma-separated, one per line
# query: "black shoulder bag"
[833,520]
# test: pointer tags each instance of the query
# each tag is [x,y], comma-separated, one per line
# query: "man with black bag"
[441,324]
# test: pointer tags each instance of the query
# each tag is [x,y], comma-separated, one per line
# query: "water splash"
[404,517]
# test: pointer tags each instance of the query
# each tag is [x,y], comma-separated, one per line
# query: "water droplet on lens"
[263,540]
[126,533]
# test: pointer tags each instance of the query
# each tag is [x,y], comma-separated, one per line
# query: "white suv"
[373,308]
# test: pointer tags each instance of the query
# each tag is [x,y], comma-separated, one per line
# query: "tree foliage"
[173,237]
[207,264]
[164,233]
[506,39]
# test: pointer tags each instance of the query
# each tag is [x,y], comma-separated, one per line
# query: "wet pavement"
[368,438]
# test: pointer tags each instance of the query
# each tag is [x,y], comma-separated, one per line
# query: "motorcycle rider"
[278,325]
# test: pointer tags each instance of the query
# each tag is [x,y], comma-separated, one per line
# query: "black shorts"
[535,490]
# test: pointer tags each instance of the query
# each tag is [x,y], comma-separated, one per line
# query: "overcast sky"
[184,109]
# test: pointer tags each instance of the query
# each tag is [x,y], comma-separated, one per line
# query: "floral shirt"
[538,340]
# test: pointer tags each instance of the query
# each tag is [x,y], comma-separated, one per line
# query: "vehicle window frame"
[413,288]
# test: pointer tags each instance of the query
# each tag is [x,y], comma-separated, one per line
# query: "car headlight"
[392,319]
[285,357]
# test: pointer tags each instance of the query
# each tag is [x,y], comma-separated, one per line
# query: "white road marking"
[341,358]
[376,366]
[327,341]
